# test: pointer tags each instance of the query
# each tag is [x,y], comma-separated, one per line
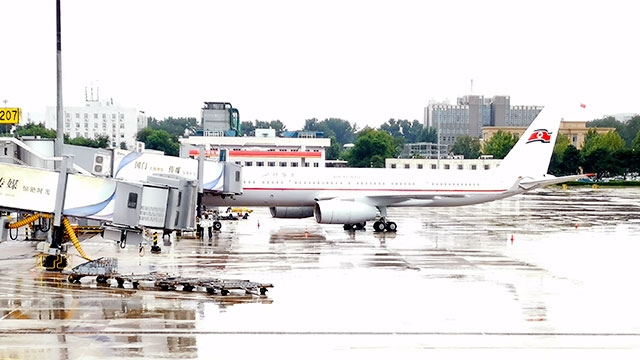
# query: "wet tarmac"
[449,284]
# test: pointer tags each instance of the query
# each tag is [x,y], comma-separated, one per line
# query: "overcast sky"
[361,61]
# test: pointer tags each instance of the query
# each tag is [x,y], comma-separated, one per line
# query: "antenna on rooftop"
[471,90]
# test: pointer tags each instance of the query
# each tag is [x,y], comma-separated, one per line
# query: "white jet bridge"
[122,192]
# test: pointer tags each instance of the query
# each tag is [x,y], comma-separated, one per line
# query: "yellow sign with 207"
[10,115]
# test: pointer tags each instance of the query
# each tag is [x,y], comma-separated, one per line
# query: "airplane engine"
[343,212]
[291,212]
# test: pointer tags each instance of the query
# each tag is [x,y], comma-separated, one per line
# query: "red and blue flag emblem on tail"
[541,135]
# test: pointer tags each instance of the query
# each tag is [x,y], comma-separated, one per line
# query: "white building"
[261,151]
[95,118]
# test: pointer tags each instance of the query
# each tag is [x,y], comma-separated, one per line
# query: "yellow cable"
[24,221]
[29,220]
[74,239]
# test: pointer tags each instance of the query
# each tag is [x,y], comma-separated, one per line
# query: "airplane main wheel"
[378,226]
[347,226]
[391,226]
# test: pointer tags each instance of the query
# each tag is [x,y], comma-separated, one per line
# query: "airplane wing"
[393,198]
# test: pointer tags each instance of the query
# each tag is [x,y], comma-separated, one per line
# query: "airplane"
[353,196]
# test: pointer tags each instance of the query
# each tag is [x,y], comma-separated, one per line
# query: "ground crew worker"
[199,229]
[209,225]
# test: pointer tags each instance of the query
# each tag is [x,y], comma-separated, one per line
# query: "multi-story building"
[97,118]
[423,150]
[263,150]
[473,112]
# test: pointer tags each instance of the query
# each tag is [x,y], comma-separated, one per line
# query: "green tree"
[571,161]
[610,142]
[392,127]
[344,132]
[277,125]
[31,129]
[599,162]
[371,148]
[623,162]
[174,126]
[467,146]
[555,166]
[334,151]
[100,141]
[429,135]
[635,144]
[499,144]
[248,129]
[631,130]
[159,140]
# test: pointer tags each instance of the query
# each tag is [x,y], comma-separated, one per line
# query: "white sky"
[361,61]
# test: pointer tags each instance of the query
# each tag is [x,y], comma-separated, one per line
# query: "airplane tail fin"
[531,155]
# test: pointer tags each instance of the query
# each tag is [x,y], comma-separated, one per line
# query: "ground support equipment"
[106,268]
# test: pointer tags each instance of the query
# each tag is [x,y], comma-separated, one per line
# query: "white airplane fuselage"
[391,187]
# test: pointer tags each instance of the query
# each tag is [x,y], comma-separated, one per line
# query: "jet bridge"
[143,191]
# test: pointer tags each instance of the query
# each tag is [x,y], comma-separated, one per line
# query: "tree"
[159,140]
[31,129]
[598,161]
[499,144]
[100,141]
[344,132]
[429,135]
[467,146]
[174,126]
[334,151]
[371,148]
[631,130]
[610,142]
[410,132]
[247,128]
[277,125]
[392,128]
[571,161]
[555,166]
[635,144]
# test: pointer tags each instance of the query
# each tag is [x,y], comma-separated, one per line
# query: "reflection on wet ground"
[450,283]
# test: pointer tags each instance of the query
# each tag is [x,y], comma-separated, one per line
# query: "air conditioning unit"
[101,164]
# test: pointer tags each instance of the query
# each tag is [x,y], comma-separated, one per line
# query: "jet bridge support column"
[200,181]
[55,249]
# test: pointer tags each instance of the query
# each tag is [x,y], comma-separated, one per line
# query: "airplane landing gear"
[353,227]
[382,225]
